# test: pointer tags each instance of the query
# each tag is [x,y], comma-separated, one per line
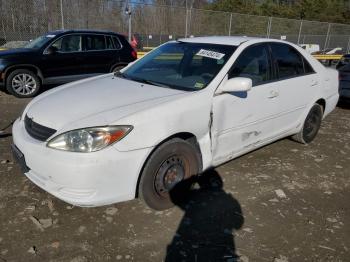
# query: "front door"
[242,120]
[66,62]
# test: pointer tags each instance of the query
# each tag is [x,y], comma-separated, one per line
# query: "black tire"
[311,125]
[117,68]
[23,90]
[172,162]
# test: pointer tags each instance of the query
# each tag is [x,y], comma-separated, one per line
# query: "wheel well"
[116,65]
[322,103]
[27,67]
[183,135]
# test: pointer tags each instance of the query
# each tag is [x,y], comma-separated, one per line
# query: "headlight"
[89,139]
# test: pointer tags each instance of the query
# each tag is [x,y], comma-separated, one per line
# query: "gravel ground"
[284,202]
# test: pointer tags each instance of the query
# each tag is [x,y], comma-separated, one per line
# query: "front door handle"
[314,83]
[273,94]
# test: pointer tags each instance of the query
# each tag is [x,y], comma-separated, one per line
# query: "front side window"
[181,65]
[69,43]
[253,63]
[95,42]
[288,61]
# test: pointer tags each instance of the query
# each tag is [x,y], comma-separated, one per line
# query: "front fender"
[190,114]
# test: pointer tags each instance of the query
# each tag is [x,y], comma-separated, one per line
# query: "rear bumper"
[83,179]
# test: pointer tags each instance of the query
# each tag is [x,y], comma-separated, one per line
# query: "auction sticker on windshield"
[210,54]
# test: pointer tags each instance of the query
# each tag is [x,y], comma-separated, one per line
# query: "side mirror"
[236,84]
[51,50]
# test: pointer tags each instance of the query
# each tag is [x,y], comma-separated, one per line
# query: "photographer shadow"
[206,231]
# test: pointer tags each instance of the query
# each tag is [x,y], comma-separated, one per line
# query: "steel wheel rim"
[170,172]
[24,84]
[311,124]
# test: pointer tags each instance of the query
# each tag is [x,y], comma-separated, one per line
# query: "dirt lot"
[294,201]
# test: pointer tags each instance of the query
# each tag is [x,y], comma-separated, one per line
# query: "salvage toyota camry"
[187,106]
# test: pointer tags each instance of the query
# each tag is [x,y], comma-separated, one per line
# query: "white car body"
[310,48]
[224,126]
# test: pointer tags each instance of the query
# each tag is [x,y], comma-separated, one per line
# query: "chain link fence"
[153,25]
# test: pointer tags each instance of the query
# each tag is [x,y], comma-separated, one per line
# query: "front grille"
[37,131]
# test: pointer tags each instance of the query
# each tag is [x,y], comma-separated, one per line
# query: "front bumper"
[83,179]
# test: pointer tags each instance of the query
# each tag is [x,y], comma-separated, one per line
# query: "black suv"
[62,56]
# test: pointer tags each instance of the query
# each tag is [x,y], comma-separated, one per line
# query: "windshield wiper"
[150,82]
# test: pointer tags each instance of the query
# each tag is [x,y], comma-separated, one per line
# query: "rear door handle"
[273,94]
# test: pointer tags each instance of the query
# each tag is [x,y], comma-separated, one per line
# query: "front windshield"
[39,42]
[181,65]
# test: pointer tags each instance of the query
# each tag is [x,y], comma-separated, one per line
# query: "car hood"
[16,51]
[96,101]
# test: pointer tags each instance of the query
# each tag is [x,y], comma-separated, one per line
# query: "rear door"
[100,53]
[297,85]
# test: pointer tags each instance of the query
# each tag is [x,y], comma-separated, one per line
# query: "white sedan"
[185,107]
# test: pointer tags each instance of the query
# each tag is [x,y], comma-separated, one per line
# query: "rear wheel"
[311,125]
[117,68]
[172,162]
[23,83]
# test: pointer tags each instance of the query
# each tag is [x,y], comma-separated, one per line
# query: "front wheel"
[23,83]
[172,162]
[311,125]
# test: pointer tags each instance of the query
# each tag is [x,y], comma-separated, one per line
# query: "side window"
[117,44]
[253,63]
[95,42]
[69,43]
[288,61]
[109,42]
[345,68]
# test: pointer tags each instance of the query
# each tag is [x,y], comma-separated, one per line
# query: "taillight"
[134,54]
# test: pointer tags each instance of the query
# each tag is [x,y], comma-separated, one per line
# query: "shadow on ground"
[344,104]
[206,231]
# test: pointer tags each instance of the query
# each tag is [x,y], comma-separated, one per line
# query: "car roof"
[61,32]
[220,40]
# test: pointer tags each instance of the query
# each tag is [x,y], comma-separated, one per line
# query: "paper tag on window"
[210,54]
[198,85]
[50,36]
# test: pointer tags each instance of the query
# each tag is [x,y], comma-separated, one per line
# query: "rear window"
[109,42]
[117,44]
[95,42]
[289,62]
